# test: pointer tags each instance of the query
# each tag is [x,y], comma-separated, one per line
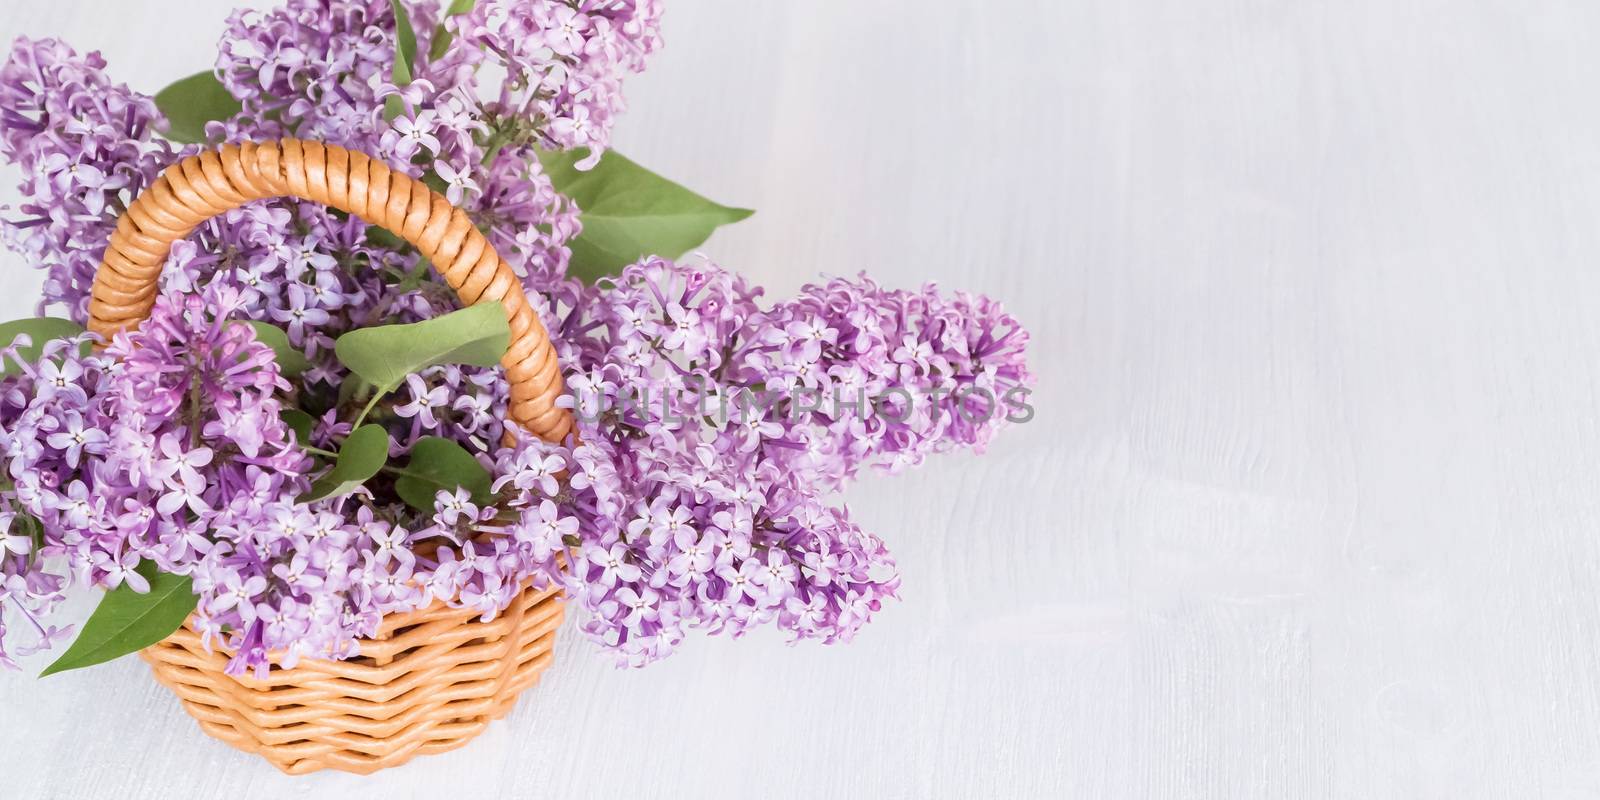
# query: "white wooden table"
[1310,507]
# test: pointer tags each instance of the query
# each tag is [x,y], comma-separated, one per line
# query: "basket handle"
[215,181]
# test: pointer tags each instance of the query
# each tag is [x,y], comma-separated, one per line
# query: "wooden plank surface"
[1309,507]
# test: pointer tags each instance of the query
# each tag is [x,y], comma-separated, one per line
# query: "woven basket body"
[433,678]
[431,681]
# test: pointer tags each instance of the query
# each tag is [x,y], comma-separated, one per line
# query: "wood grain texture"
[1309,507]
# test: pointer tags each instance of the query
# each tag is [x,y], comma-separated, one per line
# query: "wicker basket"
[434,678]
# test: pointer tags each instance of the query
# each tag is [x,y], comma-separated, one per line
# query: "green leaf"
[405,44]
[432,180]
[363,453]
[127,622]
[405,58]
[384,355]
[192,102]
[441,464]
[291,361]
[393,107]
[40,330]
[300,422]
[441,37]
[383,237]
[628,212]
[353,388]
[30,526]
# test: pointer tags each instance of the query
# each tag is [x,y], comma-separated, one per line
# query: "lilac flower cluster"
[565,60]
[86,146]
[39,404]
[278,576]
[943,365]
[722,524]
[168,449]
[324,71]
[152,450]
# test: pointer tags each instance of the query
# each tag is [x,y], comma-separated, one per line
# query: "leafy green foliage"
[192,102]
[300,422]
[384,355]
[291,361]
[441,464]
[383,237]
[363,453]
[629,212]
[432,180]
[126,621]
[441,37]
[405,58]
[40,330]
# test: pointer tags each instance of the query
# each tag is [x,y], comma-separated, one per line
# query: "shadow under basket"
[429,682]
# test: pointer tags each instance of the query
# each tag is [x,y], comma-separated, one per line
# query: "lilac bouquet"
[305,436]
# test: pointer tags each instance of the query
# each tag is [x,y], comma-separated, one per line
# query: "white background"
[1311,502]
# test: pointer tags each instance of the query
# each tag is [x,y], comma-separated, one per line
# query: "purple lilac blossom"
[168,446]
[176,454]
[86,146]
[322,71]
[721,520]
[564,63]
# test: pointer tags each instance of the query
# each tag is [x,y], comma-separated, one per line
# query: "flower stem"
[376,396]
[390,468]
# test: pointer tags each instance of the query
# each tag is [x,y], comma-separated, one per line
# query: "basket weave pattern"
[433,678]
[429,682]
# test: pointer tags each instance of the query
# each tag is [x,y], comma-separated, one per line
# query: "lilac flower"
[486,596]
[86,145]
[411,135]
[534,470]
[178,474]
[64,377]
[238,592]
[692,561]
[296,575]
[458,183]
[301,312]
[637,606]
[550,531]
[73,438]
[13,541]
[119,570]
[613,564]
[169,446]
[74,509]
[740,577]
[28,596]
[564,60]
[452,508]
[776,577]
[390,543]
[392,586]
[423,402]
[726,525]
